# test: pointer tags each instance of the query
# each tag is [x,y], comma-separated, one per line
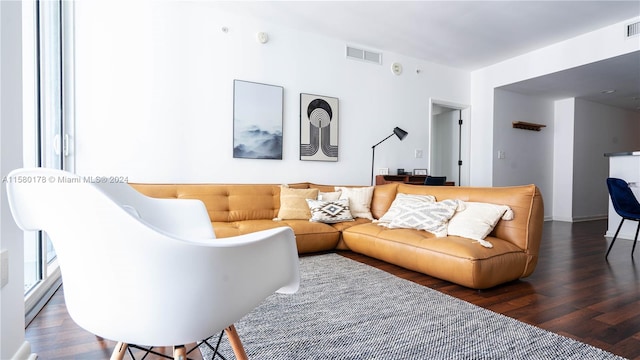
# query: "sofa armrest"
[534,231]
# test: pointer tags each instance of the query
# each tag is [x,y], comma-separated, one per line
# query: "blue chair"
[435,180]
[626,205]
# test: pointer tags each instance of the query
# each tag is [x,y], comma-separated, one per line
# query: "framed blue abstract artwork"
[257,120]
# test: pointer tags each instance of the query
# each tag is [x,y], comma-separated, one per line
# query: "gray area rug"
[348,310]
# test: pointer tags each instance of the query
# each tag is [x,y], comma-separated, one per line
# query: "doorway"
[449,145]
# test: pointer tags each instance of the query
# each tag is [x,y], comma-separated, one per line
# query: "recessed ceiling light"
[611,91]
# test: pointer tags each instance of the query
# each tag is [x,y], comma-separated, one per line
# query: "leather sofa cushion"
[224,202]
[310,236]
[383,196]
[448,245]
[452,258]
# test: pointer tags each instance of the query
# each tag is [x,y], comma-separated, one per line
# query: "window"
[47,78]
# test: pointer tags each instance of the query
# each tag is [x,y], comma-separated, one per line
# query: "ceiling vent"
[364,55]
[633,29]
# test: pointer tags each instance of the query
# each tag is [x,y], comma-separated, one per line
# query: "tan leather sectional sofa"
[241,208]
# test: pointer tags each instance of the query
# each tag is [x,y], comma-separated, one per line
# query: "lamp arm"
[381,141]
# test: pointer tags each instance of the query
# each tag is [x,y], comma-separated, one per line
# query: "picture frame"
[319,120]
[257,120]
[419,171]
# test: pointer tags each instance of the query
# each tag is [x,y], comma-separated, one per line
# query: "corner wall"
[563,157]
[528,155]
[599,129]
[584,49]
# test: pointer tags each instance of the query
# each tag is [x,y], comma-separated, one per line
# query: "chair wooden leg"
[236,344]
[179,352]
[119,351]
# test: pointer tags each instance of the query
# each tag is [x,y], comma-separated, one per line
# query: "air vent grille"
[364,55]
[633,29]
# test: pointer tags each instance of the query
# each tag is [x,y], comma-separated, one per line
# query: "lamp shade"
[401,134]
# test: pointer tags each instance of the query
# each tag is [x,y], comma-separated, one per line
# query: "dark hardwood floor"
[573,292]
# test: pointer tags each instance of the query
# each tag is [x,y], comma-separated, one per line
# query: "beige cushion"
[477,220]
[293,203]
[359,200]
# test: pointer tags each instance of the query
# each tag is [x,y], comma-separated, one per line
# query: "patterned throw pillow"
[330,211]
[399,203]
[431,217]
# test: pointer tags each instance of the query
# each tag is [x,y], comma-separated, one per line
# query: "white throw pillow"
[427,216]
[399,204]
[329,196]
[359,200]
[477,221]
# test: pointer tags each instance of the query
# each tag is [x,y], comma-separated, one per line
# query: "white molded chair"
[148,271]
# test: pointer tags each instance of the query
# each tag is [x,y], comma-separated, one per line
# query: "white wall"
[528,155]
[154,96]
[584,49]
[12,295]
[563,157]
[599,129]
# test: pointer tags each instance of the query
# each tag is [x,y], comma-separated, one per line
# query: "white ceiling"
[591,82]
[469,35]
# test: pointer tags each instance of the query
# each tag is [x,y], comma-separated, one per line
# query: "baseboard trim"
[580,219]
[24,353]
[622,235]
[590,218]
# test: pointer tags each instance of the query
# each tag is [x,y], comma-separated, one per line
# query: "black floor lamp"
[401,134]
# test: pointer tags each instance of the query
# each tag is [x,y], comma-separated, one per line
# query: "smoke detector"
[396,68]
[262,37]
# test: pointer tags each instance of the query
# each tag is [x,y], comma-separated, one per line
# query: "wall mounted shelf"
[527,125]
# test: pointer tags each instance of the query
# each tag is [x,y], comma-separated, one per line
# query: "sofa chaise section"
[460,260]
